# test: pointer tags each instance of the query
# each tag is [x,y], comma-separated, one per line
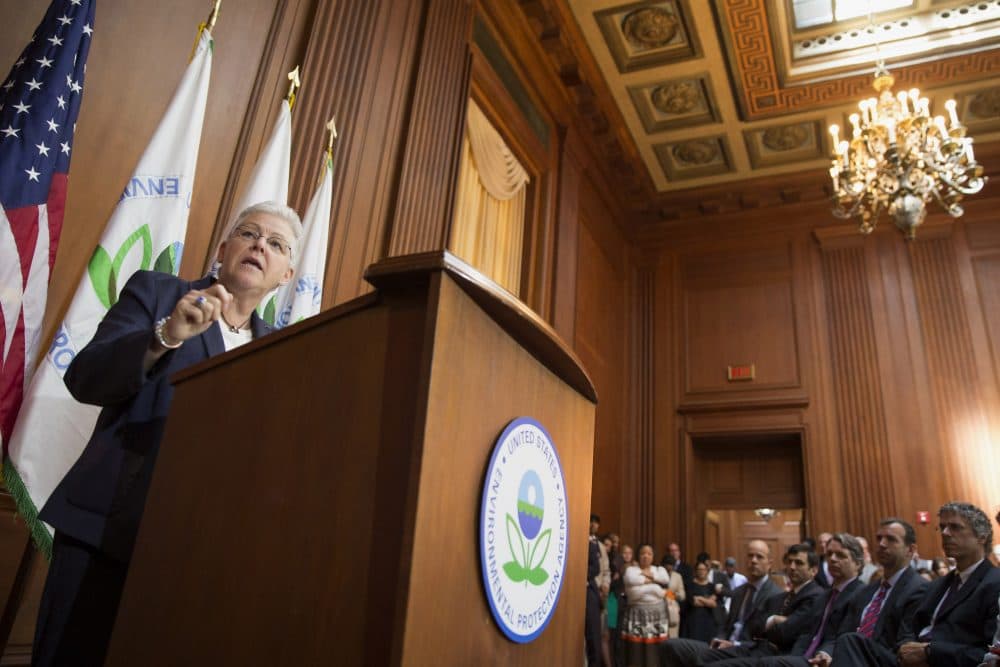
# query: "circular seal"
[523,530]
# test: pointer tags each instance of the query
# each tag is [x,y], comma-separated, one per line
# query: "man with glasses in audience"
[159,325]
[814,646]
[957,618]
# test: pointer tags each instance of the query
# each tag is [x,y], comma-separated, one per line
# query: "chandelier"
[898,158]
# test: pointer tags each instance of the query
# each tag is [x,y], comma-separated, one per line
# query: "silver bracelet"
[158,331]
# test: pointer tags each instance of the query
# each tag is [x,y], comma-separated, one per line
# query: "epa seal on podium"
[523,530]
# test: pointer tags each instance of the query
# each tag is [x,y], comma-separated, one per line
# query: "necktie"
[956,581]
[818,637]
[867,627]
[745,608]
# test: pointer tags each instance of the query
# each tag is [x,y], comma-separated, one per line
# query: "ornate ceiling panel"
[722,91]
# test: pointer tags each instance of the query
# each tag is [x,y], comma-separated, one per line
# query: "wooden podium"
[317,495]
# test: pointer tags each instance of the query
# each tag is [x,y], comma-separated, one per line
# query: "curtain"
[488,229]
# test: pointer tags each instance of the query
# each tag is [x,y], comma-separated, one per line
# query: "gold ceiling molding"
[761,93]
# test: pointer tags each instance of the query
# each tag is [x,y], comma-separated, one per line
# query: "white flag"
[301,297]
[146,231]
[268,182]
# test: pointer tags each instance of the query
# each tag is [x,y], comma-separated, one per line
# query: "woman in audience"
[675,597]
[939,568]
[644,625]
[628,556]
[701,624]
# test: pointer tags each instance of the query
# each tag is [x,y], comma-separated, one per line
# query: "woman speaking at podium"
[159,325]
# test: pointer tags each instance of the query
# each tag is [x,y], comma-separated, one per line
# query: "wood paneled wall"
[602,315]
[881,354]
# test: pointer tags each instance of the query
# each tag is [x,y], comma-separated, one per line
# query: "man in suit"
[957,618]
[747,600]
[793,613]
[870,567]
[158,326]
[845,558]
[871,629]
[592,609]
[823,577]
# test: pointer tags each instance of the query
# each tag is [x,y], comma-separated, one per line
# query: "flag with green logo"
[146,232]
[301,297]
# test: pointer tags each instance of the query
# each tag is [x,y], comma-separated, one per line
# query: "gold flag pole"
[293,86]
[209,24]
[332,127]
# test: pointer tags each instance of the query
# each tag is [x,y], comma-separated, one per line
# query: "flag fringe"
[39,533]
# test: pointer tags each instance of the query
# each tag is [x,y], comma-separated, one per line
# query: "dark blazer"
[900,605]
[966,622]
[800,616]
[820,577]
[100,500]
[841,606]
[768,589]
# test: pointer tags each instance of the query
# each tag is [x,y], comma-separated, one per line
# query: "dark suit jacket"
[768,589]
[841,606]
[800,616]
[966,622]
[820,577]
[900,605]
[101,499]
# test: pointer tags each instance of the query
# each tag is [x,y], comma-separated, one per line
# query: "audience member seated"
[793,613]
[992,656]
[940,568]
[844,557]
[869,568]
[735,638]
[871,628]
[958,616]
[823,577]
[645,622]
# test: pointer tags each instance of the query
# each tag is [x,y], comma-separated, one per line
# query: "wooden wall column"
[426,194]
[862,440]
[958,388]
[358,67]
[639,474]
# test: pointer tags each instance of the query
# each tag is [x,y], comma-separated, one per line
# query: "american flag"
[39,103]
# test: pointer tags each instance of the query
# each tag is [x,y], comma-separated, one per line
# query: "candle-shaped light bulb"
[854,118]
[844,149]
[950,106]
[902,103]
[890,126]
[873,106]
[925,106]
[939,121]
[914,95]
[835,133]
[968,151]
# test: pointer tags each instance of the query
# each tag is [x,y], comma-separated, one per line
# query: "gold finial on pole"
[214,16]
[209,24]
[332,127]
[294,83]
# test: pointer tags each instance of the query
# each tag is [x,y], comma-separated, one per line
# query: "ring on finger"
[200,301]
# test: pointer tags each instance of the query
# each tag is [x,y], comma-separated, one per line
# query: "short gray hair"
[852,545]
[286,213]
[975,517]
